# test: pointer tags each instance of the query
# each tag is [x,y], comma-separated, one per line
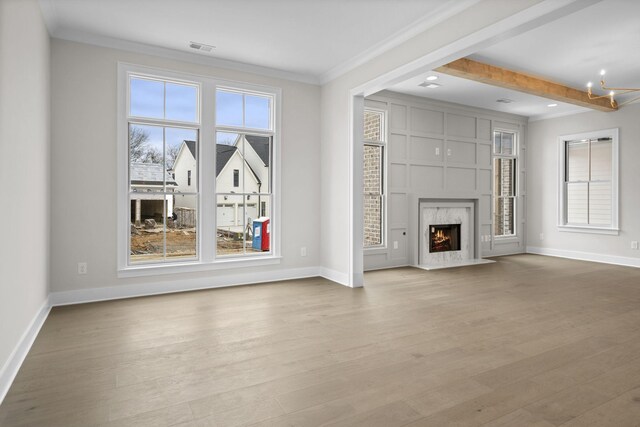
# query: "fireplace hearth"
[444,238]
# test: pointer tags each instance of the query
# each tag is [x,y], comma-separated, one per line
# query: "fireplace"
[444,238]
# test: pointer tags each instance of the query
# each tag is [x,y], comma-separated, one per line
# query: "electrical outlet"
[303,251]
[437,151]
[395,244]
[541,236]
[448,151]
[82,268]
[634,244]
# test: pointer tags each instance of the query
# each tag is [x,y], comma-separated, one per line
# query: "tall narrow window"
[177,182]
[244,176]
[236,177]
[373,177]
[163,119]
[589,181]
[504,183]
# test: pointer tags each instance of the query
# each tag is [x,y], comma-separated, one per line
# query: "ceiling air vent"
[201,46]
[504,100]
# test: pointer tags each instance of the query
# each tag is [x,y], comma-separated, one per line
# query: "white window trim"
[381,248]
[615,174]
[516,196]
[206,259]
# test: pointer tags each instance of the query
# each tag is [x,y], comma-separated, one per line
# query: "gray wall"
[24,173]
[417,126]
[83,132]
[543,186]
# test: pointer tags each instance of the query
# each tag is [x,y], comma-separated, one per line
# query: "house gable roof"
[191,145]
[260,144]
[223,155]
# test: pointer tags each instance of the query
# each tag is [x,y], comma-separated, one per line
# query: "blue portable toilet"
[261,234]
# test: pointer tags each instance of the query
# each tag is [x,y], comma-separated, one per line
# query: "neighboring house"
[185,173]
[147,200]
[235,174]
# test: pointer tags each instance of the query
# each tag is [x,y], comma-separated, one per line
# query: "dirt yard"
[147,245]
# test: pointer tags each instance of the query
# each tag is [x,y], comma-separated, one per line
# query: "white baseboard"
[335,276]
[12,365]
[586,256]
[80,296]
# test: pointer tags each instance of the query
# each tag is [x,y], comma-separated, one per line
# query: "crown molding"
[146,49]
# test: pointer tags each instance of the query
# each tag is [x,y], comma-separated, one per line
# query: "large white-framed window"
[588,182]
[505,188]
[374,171]
[192,150]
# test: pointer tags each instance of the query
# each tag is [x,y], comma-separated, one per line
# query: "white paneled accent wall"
[442,150]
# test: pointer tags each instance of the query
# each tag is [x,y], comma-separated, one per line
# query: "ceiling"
[315,40]
[480,95]
[571,50]
[308,38]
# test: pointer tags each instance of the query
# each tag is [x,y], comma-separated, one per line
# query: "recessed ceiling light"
[201,46]
[552,105]
[429,85]
[504,100]
[431,78]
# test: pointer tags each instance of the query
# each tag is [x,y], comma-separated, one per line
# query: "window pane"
[372,220]
[147,214]
[577,162]
[577,203]
[373,126]
[507,143]
[228,108]
[257,112]
[601,160]
[257,154]
[181,102]
[505,177]
[258,219]
[226,138]
[600,203]
[181,160]
[146,165]
[372,169]
[181,226]
[504,218]
[230,224]
[497,142]
[146,98]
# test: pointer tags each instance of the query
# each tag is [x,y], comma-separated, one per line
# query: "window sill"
[587,229]
[196,266]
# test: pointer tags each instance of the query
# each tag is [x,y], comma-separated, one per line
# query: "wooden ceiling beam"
[501,77]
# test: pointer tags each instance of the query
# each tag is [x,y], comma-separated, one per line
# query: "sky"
[173,101]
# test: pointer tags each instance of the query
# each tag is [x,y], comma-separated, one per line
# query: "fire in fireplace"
[444,237]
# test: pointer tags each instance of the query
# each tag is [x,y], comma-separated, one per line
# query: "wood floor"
[529,340]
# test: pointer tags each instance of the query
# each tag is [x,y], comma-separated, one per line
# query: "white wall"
[416,128]
[335,114]
[84,167]
[24,199]
[542,184]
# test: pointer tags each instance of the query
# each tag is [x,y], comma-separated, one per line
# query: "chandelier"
[612,92]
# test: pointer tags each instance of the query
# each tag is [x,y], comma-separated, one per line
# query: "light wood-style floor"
[529,340]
